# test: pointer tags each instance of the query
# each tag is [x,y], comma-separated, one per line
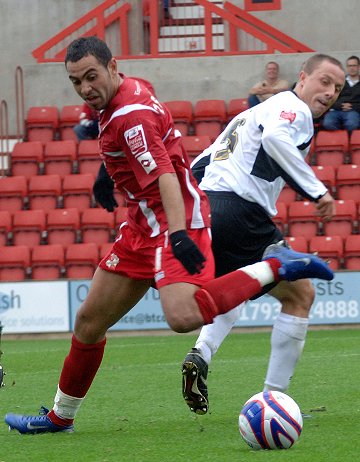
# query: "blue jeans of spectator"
[88,132]
[341,120]
[253,100]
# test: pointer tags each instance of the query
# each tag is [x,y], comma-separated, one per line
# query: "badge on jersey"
[136,140]
[290,116]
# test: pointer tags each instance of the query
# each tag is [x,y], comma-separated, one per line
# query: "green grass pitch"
[134,411]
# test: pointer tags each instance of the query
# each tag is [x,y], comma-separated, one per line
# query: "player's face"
[320,89]
[96,84]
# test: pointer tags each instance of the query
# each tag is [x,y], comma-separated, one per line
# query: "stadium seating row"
[299,219]
[64,157]
[343,182]
[48,192]
[341,253]
[59,226]
[206,117]
[49,262]
[79,260]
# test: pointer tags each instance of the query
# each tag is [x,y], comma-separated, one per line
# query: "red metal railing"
[4,137]
[212,31]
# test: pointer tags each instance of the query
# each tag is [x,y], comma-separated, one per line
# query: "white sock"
[287,343]
[212,335]
[66,406]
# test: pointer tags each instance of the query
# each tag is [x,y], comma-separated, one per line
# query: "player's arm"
[280,146]
[184,249]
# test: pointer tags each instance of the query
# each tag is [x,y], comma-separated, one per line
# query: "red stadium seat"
[326,174]
[44,192]
[97,225]
[194,145]
[41,123]
[104,249]
[298,243]
[329,248]
[28,227]
[60,157]
[13,193]
[77,191]
[182,114]
[63,226]
[303,220]
[14,262]
[81,260]
[343,223]
[354,147]
[331,147]
[5,226]
[236,106]
[209,117]
[281,218]
[47,262]
[27,158]
[88,157]
[348,182]
[352,252]
[69,117]
[287,195]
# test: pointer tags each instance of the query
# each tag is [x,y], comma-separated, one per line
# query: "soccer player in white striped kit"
[243,173]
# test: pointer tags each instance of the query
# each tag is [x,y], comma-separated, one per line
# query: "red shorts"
[142,257]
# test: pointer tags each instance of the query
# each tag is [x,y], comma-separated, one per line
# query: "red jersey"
[138,143]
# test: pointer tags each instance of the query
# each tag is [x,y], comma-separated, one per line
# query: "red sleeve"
[144,147]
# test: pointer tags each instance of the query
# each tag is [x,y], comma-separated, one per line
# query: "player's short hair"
[85,46]
[314,61]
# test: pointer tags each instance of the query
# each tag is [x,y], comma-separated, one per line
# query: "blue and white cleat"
[32,424]
[298,265]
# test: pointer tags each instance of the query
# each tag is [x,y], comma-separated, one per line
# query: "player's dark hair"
[85,46]
[314,61]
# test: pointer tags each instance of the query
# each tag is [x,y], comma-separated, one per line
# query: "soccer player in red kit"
[166,240]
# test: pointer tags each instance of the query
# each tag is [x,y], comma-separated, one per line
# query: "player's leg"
[289,331]
[196,362]
[110,297]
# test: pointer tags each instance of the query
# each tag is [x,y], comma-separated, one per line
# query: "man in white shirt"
[243,172]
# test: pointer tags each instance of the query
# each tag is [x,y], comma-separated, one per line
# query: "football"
[270,420]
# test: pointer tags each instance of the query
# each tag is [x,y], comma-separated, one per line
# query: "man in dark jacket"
[345,113]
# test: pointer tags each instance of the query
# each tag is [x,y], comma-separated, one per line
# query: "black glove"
[187,252]
[103,190]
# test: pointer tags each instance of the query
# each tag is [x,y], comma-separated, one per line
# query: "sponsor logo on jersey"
[290,116]
[147,162]
[135,139]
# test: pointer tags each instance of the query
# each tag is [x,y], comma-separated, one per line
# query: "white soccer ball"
[270,420]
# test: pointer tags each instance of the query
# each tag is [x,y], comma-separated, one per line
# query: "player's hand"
[326,207]
[187,252]
[103,190]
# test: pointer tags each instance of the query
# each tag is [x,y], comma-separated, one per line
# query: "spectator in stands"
[88,126]
[345,114]
[271,85]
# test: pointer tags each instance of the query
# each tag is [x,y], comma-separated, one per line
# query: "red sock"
[58,420]
[80,367]
[221,295]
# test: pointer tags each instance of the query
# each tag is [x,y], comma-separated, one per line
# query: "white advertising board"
[33,307]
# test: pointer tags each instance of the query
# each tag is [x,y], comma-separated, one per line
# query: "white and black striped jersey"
[260,150]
